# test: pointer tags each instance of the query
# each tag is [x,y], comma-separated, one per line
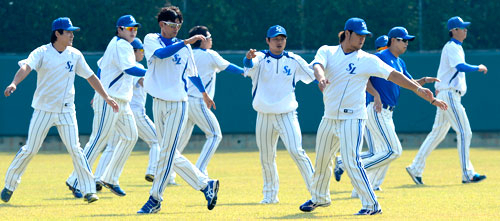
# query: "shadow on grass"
[312,216]
[238,204]
[414,186]
[73,198]
[17,206]
[134,214]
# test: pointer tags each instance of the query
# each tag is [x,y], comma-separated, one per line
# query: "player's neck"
[59,47]
[347,49]
[394,52]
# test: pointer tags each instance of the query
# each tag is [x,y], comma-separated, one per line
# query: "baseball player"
[145,126]
[381,43]
[452,87]
[274,73]
[56,64]
[117,69]
[208,63]
[348,68]
[170,61]
[382,100]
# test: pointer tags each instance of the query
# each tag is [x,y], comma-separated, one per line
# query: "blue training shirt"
[389,92]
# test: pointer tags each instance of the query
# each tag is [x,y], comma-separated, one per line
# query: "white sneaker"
[269,201]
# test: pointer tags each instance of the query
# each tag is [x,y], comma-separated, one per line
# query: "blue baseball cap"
[276,30]
[457,22]
[400,32]
[127,21]
[63,23]
[381,41]
[137,43]
[357,25]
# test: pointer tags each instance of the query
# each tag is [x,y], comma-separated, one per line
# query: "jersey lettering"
[351,68]
[176,59]
[287,70]
[69,66]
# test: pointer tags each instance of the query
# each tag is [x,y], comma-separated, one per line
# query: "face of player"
[207,44]
[276,44]
[460,33]
[65,39]
[170,29]
[355,41]
[139,54]
[127,33]
[398,46]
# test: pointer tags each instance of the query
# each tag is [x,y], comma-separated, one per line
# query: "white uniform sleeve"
[34,60]
[191,71]
[151,44]
[218,63]
[250,72]
[321,57]
[455,54]
[126,56]
[303,72]
[378,68]
[82,69]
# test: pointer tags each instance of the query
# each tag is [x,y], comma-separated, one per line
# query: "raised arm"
[18,78]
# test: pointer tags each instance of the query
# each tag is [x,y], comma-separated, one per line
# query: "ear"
[267,40]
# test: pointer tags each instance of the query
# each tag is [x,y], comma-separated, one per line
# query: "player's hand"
[194,39]
[377,104]
[251,54]
[141,81]
[10,89]
[439,103]
[428,80]
[483,69]
[208,101]
[437,92]
[112,103]
[322,84]
[92,102]
[425,93]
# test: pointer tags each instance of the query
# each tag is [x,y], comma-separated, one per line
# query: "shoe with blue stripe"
[338,171]
[415,178]
[151,206]
[6,194]
[309,206]
[365,212]
[211,193]
[114,188]
[76,192]
[475,179]
[90,197]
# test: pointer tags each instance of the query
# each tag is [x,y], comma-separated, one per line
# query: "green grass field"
[43,195]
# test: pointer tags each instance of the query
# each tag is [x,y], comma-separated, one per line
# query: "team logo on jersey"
[268,61]
[69,66]
[287,70]
[351,68]
[176,59]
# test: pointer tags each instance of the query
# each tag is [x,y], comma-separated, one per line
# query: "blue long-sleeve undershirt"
[98,74]
[247,62]
[464,67]
[136,71]
[234,69]
[197,82]
[169,50]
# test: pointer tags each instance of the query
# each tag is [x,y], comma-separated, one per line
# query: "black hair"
[342,35]
[170,13]
[389,42]
[198,30]
[53,37]
[450,34]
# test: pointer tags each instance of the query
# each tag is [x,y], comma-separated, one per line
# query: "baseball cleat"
[172,183]
[416,179]
[475,179]
[114,189]
[90,197]
[338,171]
[309,206]
[76,192]
[151,206]
[365,212]
[377,189]
[269,201]
[211,193]
[6,194]
[98,186]
[150,177]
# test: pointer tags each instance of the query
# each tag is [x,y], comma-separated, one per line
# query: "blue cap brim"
[465,24]
[409,37]
[363,32]
[72,28]
[277,34]
[134,25]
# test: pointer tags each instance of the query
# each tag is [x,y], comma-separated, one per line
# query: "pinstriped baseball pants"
[456,118]
[345,135]
[67,127]
[170,119]
[268,128]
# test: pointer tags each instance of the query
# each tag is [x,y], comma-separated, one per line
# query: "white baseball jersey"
[348,74]
[274,81]
[208,63]
[167,78]
[118,57]
[451,55]
[139,95]
[56,77]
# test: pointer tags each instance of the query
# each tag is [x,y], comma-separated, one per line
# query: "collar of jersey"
[456,41]
[201,49]
[55,49]
[168,41]
[344,52]
[389,53]
[268,53]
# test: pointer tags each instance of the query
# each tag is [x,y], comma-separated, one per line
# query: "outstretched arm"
[96,84]
[319,73]
[20,76]
[426,80]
